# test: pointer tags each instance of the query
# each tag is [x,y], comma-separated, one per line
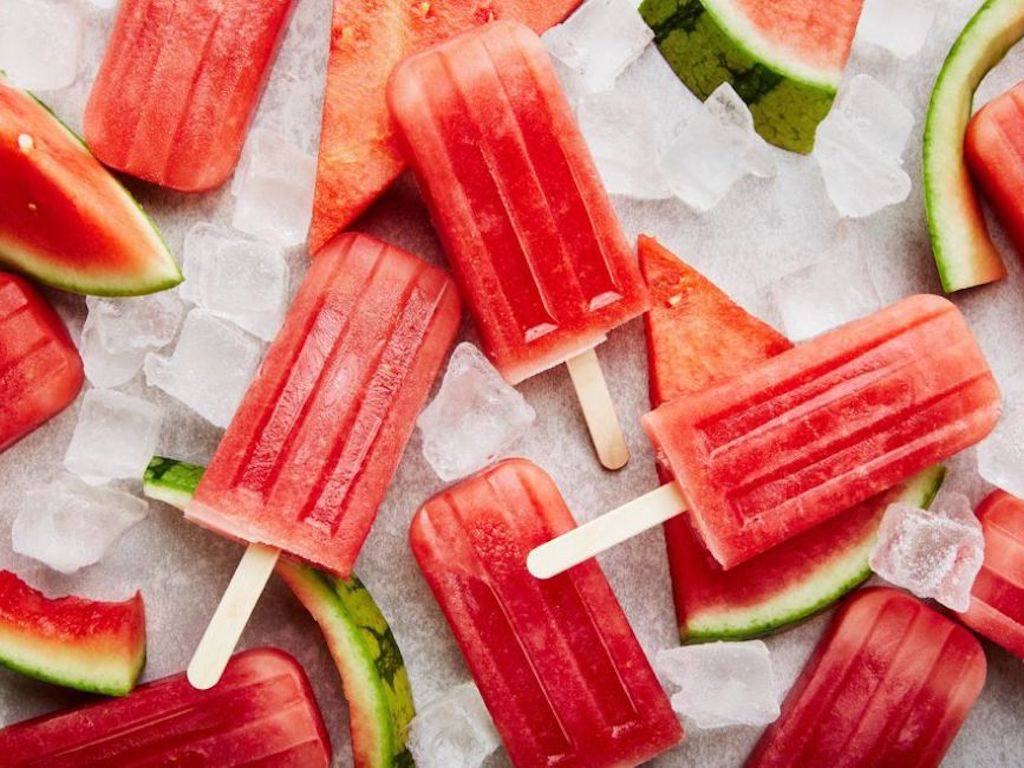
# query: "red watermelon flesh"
[90,645]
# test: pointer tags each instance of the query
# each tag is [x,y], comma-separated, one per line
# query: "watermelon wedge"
[784,58]
[64,219]
[696,335]
[359,156]
[84,644]
[373,674]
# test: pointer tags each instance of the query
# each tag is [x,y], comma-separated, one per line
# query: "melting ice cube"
[139,322]
[103,367]
[898,26]
[473,400]
[454,731]
[40,42]
[115,437]
[68,525]
[933,552]
[1001,454]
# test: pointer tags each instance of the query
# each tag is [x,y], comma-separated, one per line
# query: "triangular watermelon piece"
[697,336]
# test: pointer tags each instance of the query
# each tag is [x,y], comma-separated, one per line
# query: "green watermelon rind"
[964,252]
[815,592]
[374,678]
[704,43]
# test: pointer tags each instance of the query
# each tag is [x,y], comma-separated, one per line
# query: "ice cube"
[713,149]
[1001,454]
[40,42]
[898,26]
[211,366]
[102,367]
[454,731]
[237,278]
[721,684]
[933,552]
[273,190]
[824,295]
[599,41]
[140,322]
[473,400]
[115,437]
[859,145]
[68,525]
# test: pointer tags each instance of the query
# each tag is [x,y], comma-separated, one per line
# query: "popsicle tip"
[613,456]
[539,565]
[202,676]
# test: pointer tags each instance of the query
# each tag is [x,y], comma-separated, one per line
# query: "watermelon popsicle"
[311,451]
[556,661]
[797,439]
[520,210]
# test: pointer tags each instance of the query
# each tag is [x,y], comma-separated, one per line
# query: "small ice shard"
[40,43]
[140,322]
[599,41]
[859,148]
[115,437]
[898,26]
[1001,454]
[473,400]
[933,552]
[721,684]
[824,295]
[210,369]
[273,190]
[104,368]
[68,524]
[713,149]
[237,278]
[454,731]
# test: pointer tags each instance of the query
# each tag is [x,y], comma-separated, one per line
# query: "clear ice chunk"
[273,190]
[898,26]
[139,322]
[237,278]
[713,149]
[934,552]
[721,684]
[211,366]
[599,41]
[40,43]
[859,148]
[454,731]
[473,400]
[104,368]
[115,437]
[68,524]
[1001,454]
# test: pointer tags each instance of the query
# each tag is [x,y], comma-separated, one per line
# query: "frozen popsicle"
[997,598]
[556,661]
[40,370]
[888,686]
[262,713]
[178,85]
[311,451]
[519,207]
[797,439]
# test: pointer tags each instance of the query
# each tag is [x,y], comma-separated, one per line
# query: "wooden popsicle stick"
[604,532]
[231,616]
[598,409]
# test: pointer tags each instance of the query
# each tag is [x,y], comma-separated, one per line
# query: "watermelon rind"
[373,674]
[813,592]
[963,250]
[707,43]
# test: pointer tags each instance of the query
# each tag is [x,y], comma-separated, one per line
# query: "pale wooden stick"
[604,532]
[231,616]
[598,409]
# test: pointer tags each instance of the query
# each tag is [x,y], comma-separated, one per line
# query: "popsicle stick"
[231,616]
[572,548]
[598,409]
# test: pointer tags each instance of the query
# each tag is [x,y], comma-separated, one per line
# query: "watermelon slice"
[784,58]
[696,336]
[64,219]
[359,156]
[84,644]
[373,674]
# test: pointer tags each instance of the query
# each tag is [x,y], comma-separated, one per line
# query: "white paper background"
[763,229]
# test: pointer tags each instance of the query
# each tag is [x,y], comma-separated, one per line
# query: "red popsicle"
[556,661]
[262,713]
[888,686]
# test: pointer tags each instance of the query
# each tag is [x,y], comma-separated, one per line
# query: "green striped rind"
[963,250]
[814,592]
[705,51]
[361,642]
